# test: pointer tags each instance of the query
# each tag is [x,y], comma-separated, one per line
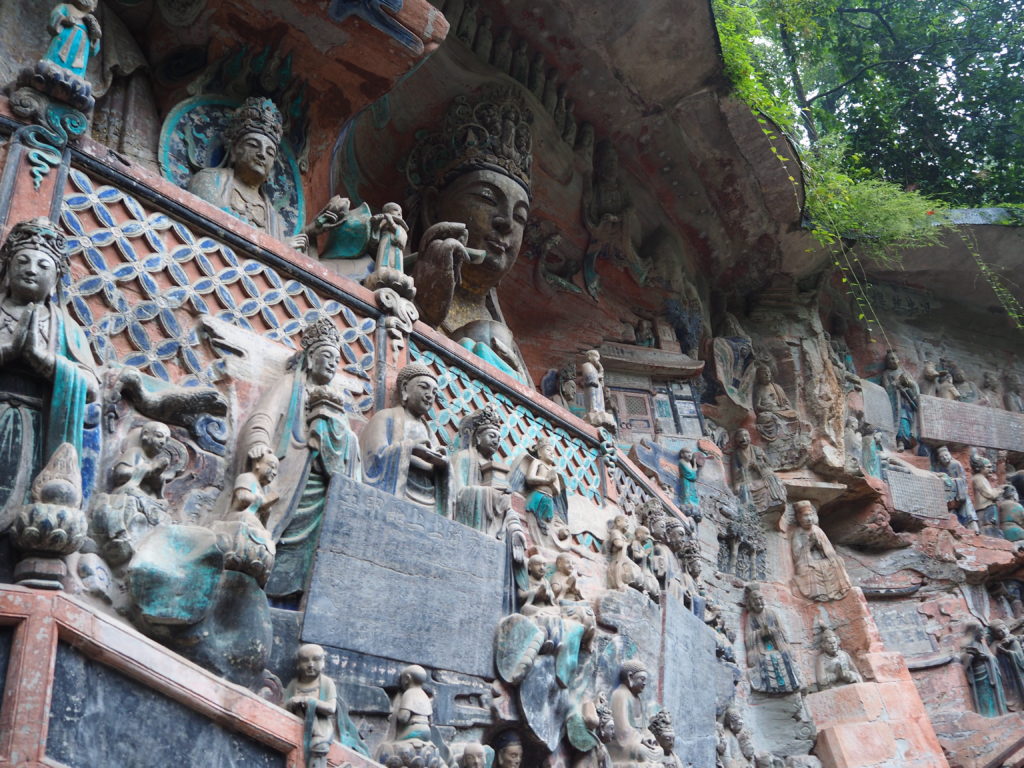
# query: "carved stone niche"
[741,541]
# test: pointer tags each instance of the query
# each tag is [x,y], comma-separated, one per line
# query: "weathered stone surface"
[780,724]
[6,636]
[949,421]
[877,408]
[416,587]
[102,719]
[922,496]
[632,614]
[903,628]
[688,656]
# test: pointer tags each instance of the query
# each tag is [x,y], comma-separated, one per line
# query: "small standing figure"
[249,546]
[1012,398]
[969,392]
[593,391]
[622,571]
[834,666]
[982,671]
[990,395]
[1011,514]
[904,397]
[76,34]
[390,233]
[314,697]
[957,499]
[985,496]
[820,574]
[768,653]
[545,499]
[686,492]
[409,740]
[945,389]
[479,478]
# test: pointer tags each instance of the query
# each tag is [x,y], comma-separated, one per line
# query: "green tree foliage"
[928,94]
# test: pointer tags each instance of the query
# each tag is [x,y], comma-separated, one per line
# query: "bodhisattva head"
[32,260]
[661,727]
[763,374]
[476,171]
[417,389]
[252,139]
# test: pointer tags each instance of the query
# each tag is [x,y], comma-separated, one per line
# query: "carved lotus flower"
[54,529]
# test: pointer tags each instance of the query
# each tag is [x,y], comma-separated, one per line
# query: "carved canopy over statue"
[472,183]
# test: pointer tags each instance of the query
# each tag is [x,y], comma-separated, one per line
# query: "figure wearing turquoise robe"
[71,45]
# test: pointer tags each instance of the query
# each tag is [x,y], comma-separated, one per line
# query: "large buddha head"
[476,171]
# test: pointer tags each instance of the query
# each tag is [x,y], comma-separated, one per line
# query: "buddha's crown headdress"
[256,115]
[485,417]
[488,131]
[40,234]
[323,331]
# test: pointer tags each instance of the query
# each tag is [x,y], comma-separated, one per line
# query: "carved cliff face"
[31,276]
[494,208]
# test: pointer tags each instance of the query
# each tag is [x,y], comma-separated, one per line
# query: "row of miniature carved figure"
[993,661]
[981,506]
[951,383]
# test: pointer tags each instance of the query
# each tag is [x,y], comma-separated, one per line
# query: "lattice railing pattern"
[631,493]
[140,280]
[459,394]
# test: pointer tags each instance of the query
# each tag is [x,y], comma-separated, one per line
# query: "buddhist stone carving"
[389,238]
[990,394]
[53,525]
[47,371]
[247,544]
[473,756]
[610,219]
[772,669]
[664,733]
[1009,653]
[590,731]
[982,672]
[968,390]
[592,374]
[735,747]
[565,395]
[1012,399]
[623,572]
[904,397]
[957,498]
[929,378]
[753,480]
[313,696]
[483,184]
[302,421]
[687,494]
[771,404]
[1011,514]
[479,478]
[135,503]
[409,743]
[945,389]
[629,712]
[399,453]
[820,574]
[535,474]
[985,496]
[834,666]
[508,750]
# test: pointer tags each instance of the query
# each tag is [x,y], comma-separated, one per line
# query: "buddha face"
[419,394]
[637,681]
[323,363]
[153,438]
[494,209]
[806,517]
[253,157]
[487,441]
[31,275]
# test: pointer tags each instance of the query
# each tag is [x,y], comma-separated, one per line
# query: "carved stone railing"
[150,261]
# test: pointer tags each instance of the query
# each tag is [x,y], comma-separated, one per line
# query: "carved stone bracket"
[400,315]
[54,126]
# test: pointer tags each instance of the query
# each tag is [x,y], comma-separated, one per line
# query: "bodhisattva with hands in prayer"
[47,371]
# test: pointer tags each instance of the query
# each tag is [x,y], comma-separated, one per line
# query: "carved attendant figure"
[958,499]
[480,480]
[46,367]
[313,696]
[399,453]
[76,34]
[985,496]
[1012,399]
[820,574]
[630,716]
[1011,514]
[593,391]
[752,479]
[982,671]
[768,654]
[904,396]
[302,421]
[1010,655]
[686,494]
[545,488]
[834,666]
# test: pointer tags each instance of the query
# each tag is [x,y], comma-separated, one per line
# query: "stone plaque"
[902,628]
[877,408]
[394,580]
[918,495]
[688,649]
[949,421]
